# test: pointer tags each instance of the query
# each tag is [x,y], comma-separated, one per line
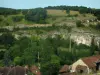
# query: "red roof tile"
[90,61]
[65,68]
[35,70]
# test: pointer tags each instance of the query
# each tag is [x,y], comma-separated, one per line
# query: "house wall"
[79,62]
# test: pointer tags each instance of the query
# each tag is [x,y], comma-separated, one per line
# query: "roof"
[18,70]
[91,61]
[65,68]
[34,69]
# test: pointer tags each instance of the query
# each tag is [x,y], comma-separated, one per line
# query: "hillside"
[57,18]
[48,37]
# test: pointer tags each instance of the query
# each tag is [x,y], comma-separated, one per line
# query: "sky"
[26,4]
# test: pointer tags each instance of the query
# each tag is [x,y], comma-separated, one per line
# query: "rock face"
[85,38]
[82,39]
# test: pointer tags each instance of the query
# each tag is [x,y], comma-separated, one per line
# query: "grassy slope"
[57,17]
[61,17]
[54,16]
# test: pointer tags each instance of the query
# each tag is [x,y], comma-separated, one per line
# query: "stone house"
[86,65]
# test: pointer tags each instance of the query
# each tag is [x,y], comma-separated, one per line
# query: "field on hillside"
[61,17]
[54,16]
[54,12]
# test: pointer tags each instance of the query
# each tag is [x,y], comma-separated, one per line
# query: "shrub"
[91,25]
[98,26]
[17,18]
[1,63]
[79,23]
[1,18]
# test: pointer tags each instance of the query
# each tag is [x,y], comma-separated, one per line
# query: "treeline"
[8,11]
[37,15]
[81,9]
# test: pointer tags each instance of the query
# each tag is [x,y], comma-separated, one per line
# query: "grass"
[56,12]
[74,12]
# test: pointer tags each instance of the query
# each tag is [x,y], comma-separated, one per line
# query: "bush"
[1,63]
[79,23]
[98,17]
[91,25]
[76,15]
[17,60]
[1,18]
[17,18]
[98,26]
[37,15]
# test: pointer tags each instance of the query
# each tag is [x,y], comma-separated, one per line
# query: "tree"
[51,67]
[37,15]
[17,60]
[69,28]
[92,47]
[68,11]
[7,58]
[17,18]
[7,39]
[98,17]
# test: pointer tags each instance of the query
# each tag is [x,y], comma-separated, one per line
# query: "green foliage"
[1,18]
[1,63]
[17,60]
[68,11]
[1,54]
[52,67]
[24,11]
[8,11]
[79,23]
[7,58]
[91,25]
[92,48]
[82,46]
[37,15]
[4,30]
[98,26]
[6,22]
[7,39]
[17,18]
[51,53]
[98,17]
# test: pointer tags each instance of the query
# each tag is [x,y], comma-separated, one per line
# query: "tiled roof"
[65,68]
[90,61]
[34,69]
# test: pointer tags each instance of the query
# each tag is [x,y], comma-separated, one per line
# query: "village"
[83,66]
